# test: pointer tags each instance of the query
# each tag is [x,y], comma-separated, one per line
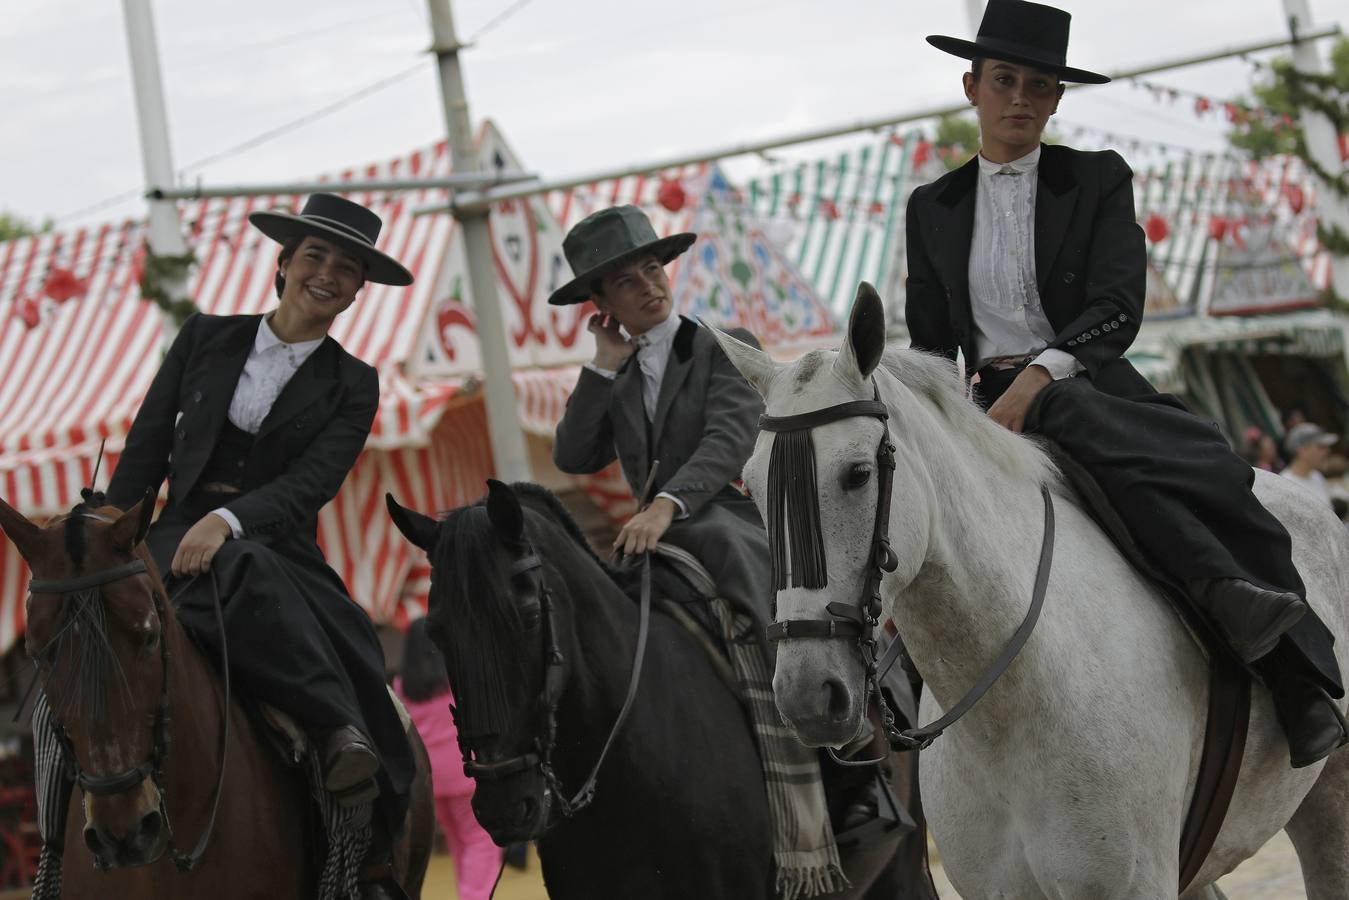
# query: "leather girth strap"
[1229,715]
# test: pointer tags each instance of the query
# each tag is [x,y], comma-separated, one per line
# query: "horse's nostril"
[835,697]
[527,807]
[92,840]
[151,822]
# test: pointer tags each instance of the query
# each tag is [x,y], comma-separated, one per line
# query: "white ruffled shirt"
[1004,297]
[269,367]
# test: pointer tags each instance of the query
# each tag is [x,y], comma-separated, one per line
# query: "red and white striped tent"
[79,347]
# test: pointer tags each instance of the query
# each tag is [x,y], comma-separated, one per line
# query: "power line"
[317,114]
[498,19]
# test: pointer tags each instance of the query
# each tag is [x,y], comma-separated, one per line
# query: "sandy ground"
[1272,874]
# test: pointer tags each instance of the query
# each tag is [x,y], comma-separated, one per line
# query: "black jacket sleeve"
[1116,271]
[585,436]
[145,458]
[926,304]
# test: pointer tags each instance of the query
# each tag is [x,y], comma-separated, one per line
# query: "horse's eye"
[858,475]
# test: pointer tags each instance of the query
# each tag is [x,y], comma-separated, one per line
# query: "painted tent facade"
[79,348]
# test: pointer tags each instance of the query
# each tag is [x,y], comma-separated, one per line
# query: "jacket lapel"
[316,376]
[221,364]
[950,238]
[1055,197]
[676,372]
[627,401]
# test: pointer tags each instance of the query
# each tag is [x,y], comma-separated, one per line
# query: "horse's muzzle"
[141,845]
[828,716]
[512,816]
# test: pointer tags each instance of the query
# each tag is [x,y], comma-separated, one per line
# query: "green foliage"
[11,227]
[162,269]
[1282,97]
[959,133]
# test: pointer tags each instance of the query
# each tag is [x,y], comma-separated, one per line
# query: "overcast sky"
[576,86]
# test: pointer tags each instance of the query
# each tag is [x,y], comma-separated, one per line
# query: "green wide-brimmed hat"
[337,219]
[605,240]
[1018,31]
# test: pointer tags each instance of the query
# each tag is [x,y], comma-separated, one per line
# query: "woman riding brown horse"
[168,768]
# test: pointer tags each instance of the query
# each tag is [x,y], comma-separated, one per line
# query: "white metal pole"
[1322,142]
[503,426]
[166,229]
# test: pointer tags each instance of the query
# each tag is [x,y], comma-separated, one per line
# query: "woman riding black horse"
[255,421]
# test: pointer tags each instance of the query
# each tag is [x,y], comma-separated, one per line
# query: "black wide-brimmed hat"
[608,239]
[1031,34]
[336,219]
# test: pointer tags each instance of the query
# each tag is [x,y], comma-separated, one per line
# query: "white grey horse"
[1072,776]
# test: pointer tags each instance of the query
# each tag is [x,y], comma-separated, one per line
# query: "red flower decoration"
[1217,228]
[1296,198]
[1202,105]
[29,311]
[1156,228]
[671,195]
[62,285]
[830,209]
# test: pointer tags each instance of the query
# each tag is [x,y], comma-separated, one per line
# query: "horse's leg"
[412,852]
[1320,832]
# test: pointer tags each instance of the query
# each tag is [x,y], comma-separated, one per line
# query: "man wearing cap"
[1309,446]
[659,394]
[1029,260]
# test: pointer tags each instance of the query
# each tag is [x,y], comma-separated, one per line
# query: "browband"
[806,420]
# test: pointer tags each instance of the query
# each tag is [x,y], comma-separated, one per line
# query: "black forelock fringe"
[794,504]
[479,621]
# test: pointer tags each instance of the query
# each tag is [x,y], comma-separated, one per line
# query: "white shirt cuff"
[236,529]
[1058,363]
[603,373]
[683,511]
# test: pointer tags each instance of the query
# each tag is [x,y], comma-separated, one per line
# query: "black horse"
[539,636]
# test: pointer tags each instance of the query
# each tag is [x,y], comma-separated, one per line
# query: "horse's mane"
[935,379]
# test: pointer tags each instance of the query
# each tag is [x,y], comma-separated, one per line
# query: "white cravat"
[269,367]
[1004,297]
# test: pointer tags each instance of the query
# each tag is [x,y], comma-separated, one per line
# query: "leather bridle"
[153,769]
[540,759]
[858,621]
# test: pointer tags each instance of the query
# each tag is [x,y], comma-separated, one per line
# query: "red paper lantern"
[877,208]
[1217,228]
[1156,228]
[1296,198]
[829,208]
[28,310]
[1202,105]
[671,195]
[921,154]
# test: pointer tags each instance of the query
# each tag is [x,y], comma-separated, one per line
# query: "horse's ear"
[418,528]
[20,529]
[861,351]
[757,367]
[503,509]
[133,525]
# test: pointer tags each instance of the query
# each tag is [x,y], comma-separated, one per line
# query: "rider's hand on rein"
[1010,409]
[199,546]
[644,530]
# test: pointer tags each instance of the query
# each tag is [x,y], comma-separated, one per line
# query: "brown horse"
[143,713]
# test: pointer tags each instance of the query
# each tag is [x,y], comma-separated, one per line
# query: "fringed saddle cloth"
[804,853]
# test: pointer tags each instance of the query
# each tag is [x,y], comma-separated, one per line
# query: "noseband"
[107,785]
[550,695]
[858,622]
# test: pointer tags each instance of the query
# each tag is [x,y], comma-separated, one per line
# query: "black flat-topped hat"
[608,239]
[336,219]
[1017,31]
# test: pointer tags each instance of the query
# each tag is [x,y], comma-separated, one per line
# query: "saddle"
[1229,706]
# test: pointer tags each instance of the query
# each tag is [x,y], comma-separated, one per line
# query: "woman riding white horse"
[1071,778]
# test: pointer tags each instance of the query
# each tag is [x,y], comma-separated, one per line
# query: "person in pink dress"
[425,691]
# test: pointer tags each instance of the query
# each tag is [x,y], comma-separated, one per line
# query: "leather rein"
[106,785]
[554,682]
[858,621]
